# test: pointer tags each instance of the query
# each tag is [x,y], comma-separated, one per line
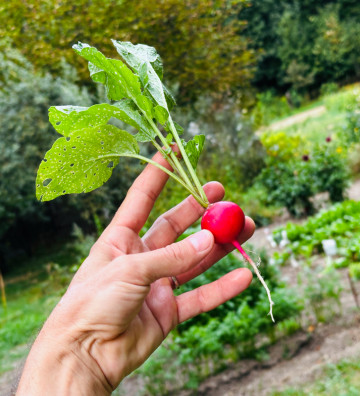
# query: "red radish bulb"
[226,220]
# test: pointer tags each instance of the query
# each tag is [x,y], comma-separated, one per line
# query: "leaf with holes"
[83,161]
[119,80]
[146,62]
[68,119]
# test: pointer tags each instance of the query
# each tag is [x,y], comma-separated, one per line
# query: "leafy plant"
[84,158]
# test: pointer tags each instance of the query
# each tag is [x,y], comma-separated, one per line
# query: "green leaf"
[169,138]
[179,129]
[146,62]
[119,80]
[83,161]
[130,114]
[193,148]
[136,55]
[161,114]
[67,119]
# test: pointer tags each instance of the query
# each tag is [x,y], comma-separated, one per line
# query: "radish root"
[255,267]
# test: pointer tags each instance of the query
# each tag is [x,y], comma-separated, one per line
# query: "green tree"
[199,41]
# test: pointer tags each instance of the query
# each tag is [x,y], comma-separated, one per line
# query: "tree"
[199,41]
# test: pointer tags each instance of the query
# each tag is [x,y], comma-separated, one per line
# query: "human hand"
[120,305]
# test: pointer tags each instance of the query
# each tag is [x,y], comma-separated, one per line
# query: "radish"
[225,220]
[90,148]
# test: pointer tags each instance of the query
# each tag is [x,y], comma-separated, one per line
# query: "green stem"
[167,171]
[177,165]
[166,156]
[187,161]
[191,190]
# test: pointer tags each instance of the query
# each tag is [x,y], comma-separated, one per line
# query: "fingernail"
[201,240]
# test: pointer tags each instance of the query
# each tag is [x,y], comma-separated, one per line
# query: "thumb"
[173,259]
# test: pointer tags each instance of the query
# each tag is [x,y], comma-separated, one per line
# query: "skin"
[120,305]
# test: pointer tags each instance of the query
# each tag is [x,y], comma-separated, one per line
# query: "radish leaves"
[84,158]
[82,161]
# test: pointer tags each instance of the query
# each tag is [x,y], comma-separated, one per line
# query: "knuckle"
[201,300]
[174,253]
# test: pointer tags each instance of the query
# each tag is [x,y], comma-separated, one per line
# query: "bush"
[292,181]
[329,171]
[342,101]
[289,184]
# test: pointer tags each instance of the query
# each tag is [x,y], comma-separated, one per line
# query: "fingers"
[209,296]
[174,259]
[169,226]
[217,253]
[141,196]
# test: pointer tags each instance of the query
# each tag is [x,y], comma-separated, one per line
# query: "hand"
[120,305]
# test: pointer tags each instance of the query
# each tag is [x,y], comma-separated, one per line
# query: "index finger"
[141,196]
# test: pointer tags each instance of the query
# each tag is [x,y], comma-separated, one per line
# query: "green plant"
[329,171]
[289,184]
[84,157]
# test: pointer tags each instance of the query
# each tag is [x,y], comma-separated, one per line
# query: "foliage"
[292,181]
[197,40]
[340,222]
[289,184]
[329,171]
[351,132]
[342,101]
[281,147]
[24,135]
[327,50]
[269,107]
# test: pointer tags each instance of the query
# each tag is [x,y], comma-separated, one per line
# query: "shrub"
[289,184]
[292,181]
[329,171]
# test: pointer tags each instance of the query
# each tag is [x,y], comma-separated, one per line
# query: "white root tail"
[248,259]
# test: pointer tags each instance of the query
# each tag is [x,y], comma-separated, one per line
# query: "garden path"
[297,118]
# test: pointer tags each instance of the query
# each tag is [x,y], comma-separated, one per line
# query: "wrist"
[60,365]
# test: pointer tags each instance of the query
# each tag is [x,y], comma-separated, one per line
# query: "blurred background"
[274,87]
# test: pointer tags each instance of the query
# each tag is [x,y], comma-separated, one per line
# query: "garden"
[272,114]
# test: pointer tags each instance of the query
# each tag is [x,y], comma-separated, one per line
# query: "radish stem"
[248,259]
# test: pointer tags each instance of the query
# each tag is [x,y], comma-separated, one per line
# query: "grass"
[31,295]
[341,379]
[316,129]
